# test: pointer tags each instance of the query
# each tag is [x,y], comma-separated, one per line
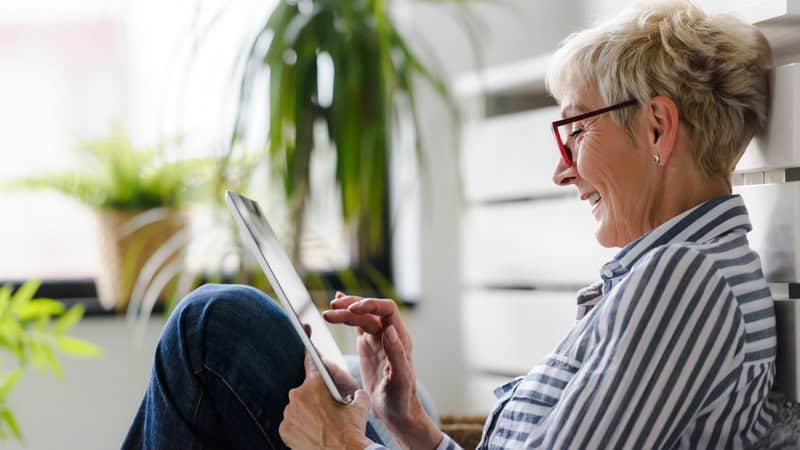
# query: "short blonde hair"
[714,67]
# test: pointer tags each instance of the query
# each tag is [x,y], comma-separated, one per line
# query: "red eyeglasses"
[562,129]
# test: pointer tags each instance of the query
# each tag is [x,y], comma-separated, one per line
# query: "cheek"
[593,164]
[610,162]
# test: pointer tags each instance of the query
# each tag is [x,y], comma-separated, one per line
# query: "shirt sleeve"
[668,344]
[447,443]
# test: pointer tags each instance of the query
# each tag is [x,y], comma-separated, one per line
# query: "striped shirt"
[674,348]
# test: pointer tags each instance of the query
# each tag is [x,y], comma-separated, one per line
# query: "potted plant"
[33,331]
[371,73]
[138,195]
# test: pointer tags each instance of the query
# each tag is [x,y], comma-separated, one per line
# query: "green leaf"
[52,361]
[68,320]
[78,347]
[37,355]
[120,176]
[10,336]
[41,324]
[11,329]
[5,299]
[348,279]
[385,287]
[39,308]
[24,294]
[8,382]
[8,417]
[373,67]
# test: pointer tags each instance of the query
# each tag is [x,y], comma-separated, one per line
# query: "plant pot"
[125,248]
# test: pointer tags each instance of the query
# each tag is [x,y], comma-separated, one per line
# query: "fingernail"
[339,293]
[356,304]
[392,333]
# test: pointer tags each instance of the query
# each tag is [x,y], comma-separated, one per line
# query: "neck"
[687,193]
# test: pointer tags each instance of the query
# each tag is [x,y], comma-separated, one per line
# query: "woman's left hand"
[314,420]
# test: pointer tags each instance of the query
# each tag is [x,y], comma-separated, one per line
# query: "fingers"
[385,309]
[396,353]
[370,345]
[371,315]
[378,306]
[341,377]
[369,323]
[344,301]
[311,368]
[361,399]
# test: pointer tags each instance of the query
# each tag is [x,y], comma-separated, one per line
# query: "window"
[163,69]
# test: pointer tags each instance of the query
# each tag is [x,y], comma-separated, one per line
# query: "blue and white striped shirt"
[675,348]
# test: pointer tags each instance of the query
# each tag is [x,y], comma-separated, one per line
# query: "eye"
[576,132]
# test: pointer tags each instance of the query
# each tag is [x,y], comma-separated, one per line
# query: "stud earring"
[657,159]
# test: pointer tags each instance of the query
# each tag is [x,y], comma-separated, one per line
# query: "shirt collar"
[701,224]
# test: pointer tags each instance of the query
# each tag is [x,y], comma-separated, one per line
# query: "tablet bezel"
[234,200]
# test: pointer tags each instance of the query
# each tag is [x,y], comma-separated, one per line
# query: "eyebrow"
[576,110]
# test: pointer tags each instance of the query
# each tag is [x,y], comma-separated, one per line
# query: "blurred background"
[402,154]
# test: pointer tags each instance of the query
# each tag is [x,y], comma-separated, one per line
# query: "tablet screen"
[283,276]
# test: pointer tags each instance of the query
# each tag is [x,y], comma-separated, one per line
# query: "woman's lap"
[225,363]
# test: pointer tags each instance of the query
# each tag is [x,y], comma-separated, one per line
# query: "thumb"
[311,368]
[361,399]
[395,351]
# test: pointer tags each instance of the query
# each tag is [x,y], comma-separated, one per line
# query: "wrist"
[417,432]
[357,442]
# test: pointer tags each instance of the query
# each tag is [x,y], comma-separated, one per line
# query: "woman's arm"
[312,419]
[384,348]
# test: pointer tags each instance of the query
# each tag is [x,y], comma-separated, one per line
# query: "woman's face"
[612,173]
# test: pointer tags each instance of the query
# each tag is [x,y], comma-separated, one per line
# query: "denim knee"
[227,300]
[230,349]
[214,308]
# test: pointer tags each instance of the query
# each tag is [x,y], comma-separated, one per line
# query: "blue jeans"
[223,368]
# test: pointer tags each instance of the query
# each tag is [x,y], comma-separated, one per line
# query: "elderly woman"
[676,344]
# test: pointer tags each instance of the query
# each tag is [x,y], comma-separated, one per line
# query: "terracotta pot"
[123,253]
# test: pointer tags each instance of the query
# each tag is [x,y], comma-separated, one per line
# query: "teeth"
[594,198]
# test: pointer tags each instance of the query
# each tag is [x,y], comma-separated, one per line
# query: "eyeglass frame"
[567,157]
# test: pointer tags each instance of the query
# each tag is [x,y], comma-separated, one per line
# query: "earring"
[657,159]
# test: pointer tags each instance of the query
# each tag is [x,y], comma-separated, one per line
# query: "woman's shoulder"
[729,257]
[723,274]
[670,276]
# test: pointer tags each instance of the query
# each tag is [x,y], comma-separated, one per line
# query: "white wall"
[92,407]
[524,29]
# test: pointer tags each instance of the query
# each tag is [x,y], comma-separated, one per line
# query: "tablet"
[295,298]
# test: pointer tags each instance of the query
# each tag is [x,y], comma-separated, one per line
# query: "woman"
[676,345]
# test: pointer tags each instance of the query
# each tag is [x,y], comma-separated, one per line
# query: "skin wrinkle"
[636,194]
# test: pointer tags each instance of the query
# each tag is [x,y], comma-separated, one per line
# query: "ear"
[662,123]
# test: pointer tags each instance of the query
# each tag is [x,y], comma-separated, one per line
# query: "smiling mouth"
[594,198]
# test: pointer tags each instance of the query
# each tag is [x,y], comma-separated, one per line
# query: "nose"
[565,175]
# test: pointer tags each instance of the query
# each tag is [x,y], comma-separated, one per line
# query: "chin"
[605,242]
[606,237]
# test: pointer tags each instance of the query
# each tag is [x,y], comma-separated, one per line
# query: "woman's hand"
[314,420]
[345,382]
[384,348]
